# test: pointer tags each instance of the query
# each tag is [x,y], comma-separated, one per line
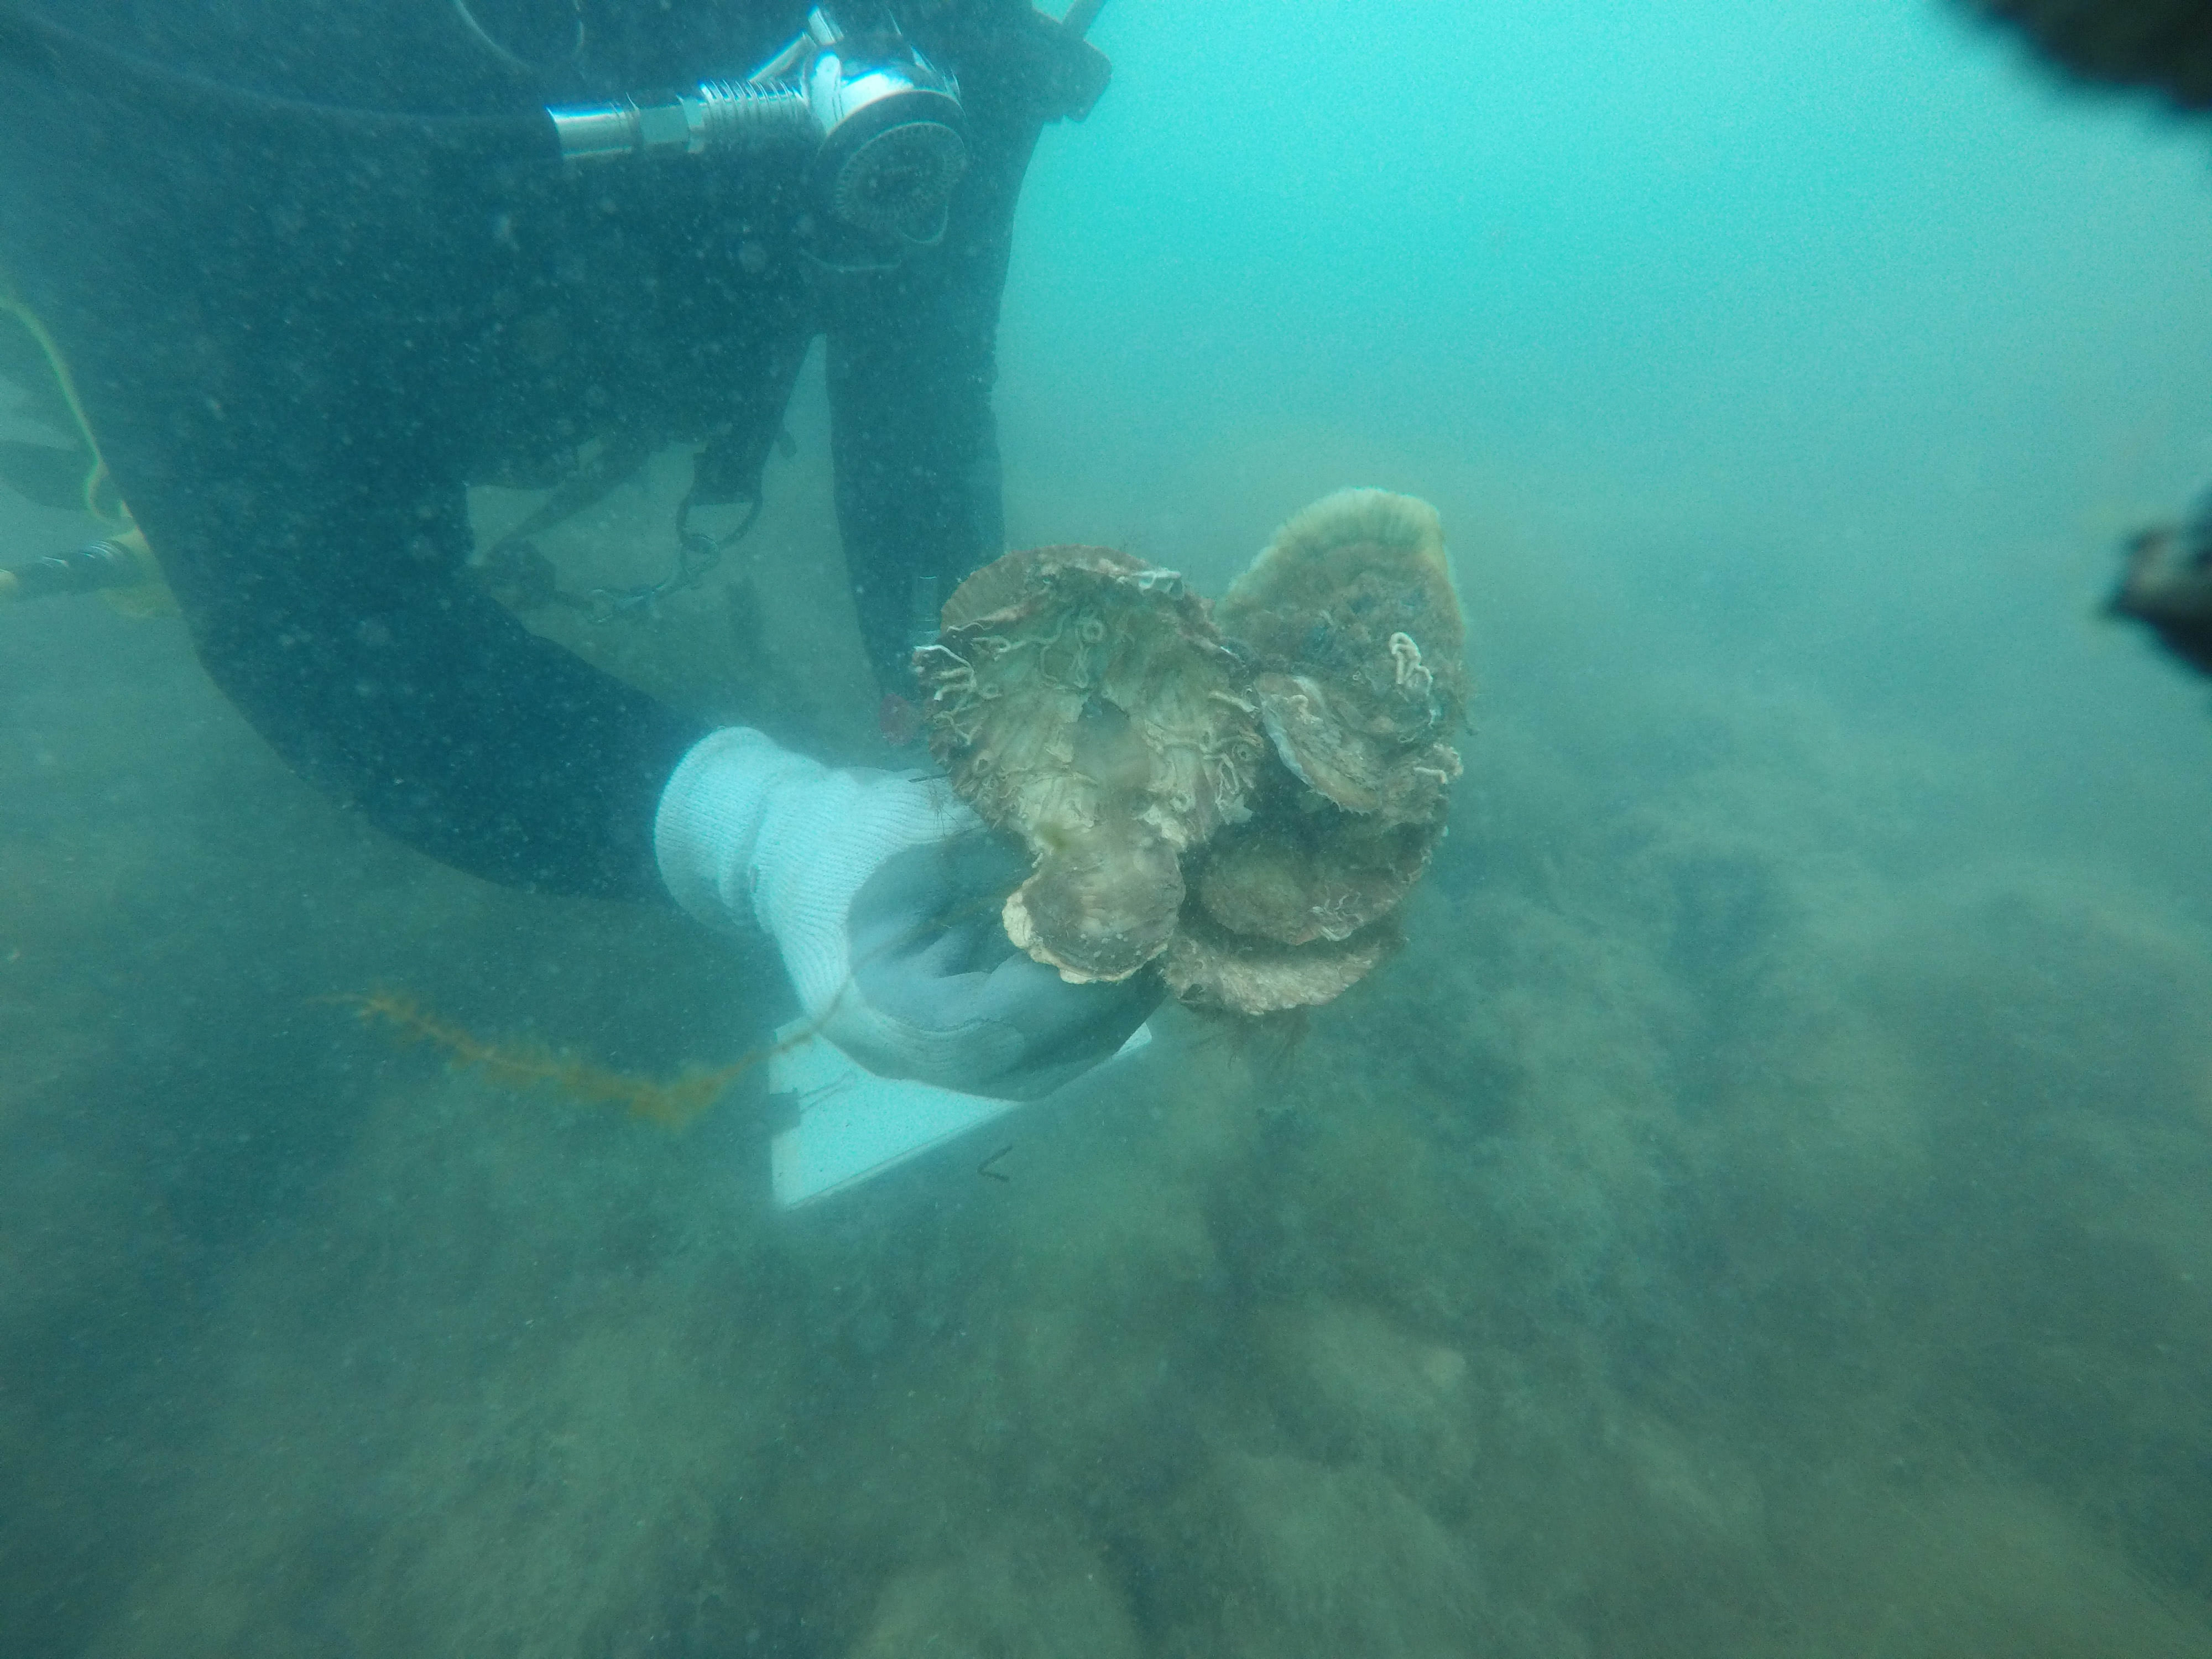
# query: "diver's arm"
[269,343]
[911,361]
[325,590]
[318,555]
[296,472]
[350,638]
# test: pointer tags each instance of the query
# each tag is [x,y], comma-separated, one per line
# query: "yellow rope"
[98,484]
[672,1103]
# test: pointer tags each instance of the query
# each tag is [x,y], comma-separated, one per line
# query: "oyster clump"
[1245,794]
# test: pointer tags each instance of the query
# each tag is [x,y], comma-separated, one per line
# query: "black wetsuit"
[300,332]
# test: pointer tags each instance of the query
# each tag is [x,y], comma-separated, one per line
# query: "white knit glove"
[883,893]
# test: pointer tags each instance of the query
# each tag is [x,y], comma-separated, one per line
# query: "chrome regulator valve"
[883,124]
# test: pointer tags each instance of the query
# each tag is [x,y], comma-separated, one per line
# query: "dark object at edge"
[2165,46]
[2167,586]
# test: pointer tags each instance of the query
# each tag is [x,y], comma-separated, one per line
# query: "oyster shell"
[1083,698]
[1244,795]
[1353,628]
[1352,617]
[1225,973]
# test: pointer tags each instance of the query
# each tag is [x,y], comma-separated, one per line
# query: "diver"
[315,268]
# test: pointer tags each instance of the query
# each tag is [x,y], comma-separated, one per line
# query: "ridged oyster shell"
[1244,795]
[1083,698]
[1353,628]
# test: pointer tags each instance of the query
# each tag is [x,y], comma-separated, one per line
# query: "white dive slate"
[853,1124]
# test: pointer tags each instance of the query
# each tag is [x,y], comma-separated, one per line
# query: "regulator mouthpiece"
[883,123]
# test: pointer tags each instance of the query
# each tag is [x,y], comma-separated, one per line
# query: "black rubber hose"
[50,50]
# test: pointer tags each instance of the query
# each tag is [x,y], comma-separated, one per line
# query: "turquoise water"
[1762,1212]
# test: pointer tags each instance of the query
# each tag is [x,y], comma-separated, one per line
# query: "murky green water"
[1763,1212]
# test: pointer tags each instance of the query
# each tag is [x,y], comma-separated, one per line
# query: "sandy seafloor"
[1766,1211]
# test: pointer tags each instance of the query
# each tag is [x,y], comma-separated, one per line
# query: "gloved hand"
[883,893]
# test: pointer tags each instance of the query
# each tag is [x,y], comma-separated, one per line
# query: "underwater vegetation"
[1726,1227]
[1757,1211]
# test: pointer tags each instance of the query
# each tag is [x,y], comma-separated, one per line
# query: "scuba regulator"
[879,125]
[883,123]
